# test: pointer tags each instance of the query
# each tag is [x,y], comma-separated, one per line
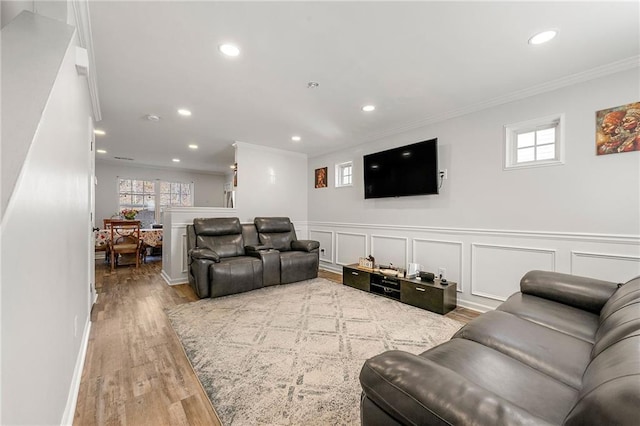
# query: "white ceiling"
[418,62]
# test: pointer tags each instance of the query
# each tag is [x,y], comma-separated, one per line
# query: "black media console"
[432,296]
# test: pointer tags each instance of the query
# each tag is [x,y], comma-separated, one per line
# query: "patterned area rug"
[291,354]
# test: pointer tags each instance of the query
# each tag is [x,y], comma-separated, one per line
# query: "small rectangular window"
[534,143]
[344,174]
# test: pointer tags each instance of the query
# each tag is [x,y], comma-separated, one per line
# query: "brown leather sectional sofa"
[563,351]
[227,257]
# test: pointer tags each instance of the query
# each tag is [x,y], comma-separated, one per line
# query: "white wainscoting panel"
[326,243]
[435,254]
[609,267]
[390,249]
[487,264]
[349,247]
[496,270]
[185,256]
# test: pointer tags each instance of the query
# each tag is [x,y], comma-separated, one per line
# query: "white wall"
[271,182]
[26,102]
[208,188]
[45,240]
[490,225]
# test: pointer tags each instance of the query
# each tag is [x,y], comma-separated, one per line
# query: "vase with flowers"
[129,214]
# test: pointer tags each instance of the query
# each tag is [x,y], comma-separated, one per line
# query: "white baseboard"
[72,398]
[331,268]
[175,281]
[474,306]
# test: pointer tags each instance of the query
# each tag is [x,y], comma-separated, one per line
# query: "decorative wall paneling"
[391,249]
[487,264]
[611,267]
[326,239]
[435,254]
[496,269]
[349,247]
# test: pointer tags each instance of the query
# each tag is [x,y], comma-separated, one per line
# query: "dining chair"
[125,239]
[107,226]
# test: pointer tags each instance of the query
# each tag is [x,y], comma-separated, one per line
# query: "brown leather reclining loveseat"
[227,257]
[563,351]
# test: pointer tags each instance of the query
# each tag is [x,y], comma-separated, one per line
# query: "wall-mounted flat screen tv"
[403,171]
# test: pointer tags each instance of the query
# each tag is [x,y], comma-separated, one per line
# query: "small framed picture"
[618,129]
[321,177]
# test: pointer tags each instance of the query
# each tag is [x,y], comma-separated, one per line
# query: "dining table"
[149,237]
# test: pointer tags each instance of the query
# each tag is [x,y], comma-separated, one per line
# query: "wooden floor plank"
[136,372]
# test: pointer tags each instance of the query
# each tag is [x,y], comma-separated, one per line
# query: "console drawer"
[356,278]
[435,298]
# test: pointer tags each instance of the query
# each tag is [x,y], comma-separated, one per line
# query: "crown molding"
[591,74]
[136,165]
[239,144]
[83,26]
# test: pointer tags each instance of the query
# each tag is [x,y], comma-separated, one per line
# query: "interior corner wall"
[580,217]
[22,104]
[271,182]
[45,245]
[208,188]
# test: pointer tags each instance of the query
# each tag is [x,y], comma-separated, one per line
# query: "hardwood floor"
[135,371]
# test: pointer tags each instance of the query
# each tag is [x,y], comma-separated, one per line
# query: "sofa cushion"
[551,352]
[223,245]
[619,316]
[417,391]
[272,224]
[217,226]
[298,266]
[506,378]
[610,393]
[280,241]
[235,275]
[566,319]
[627,293]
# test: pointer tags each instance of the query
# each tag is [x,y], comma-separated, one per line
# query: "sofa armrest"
[304,245]
[416,390]
[580,292]
[258,248]
[204,254]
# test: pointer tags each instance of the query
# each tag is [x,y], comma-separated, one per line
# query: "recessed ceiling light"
[184,112]
[312,84]
[229,49]
[99,132]
[101,151]
[152,117]
[193,146]
[368,108]
[543,37]
[296,138]
[176,160]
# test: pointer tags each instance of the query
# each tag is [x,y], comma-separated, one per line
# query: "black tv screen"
[398,172]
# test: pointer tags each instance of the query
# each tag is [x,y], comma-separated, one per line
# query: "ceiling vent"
[124,158]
